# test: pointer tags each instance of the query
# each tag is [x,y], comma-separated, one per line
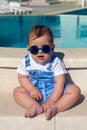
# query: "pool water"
[69,31]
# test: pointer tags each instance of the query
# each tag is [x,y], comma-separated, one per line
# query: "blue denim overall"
[43,80]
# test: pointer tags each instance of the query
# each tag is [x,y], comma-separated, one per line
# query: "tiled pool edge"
[11,116]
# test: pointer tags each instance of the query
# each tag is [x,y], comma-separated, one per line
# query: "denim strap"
[27,60]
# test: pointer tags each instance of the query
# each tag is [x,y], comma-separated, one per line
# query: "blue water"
[69,31]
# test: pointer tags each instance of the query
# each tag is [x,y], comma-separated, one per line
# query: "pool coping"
[65,11]
[73,58]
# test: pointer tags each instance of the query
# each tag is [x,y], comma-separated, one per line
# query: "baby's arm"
[58,88]
[26,84]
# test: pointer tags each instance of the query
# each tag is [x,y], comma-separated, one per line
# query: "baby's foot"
[34,110]
[51,111]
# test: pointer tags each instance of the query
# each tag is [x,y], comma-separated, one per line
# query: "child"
[42,77]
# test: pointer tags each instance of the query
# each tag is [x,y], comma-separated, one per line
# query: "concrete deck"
[53,8]
[11,115]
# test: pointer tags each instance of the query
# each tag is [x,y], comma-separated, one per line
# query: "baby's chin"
[41,61]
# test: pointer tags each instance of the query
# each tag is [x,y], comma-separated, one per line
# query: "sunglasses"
[35,49]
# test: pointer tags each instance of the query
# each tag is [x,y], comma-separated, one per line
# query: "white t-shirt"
[58,67]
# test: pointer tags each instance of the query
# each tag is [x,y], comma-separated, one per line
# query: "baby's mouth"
[40,57]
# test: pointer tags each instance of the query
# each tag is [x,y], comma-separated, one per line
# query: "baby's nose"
[40,50]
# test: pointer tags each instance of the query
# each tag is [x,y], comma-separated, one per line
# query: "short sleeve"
[58,67]
[21,68]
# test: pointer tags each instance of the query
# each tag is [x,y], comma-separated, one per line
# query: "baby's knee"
[18,90]
[75,90]
[76,94]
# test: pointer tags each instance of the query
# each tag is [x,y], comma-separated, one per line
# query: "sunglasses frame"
[40,48]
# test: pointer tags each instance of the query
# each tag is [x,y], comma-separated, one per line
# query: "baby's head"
[38,31]
[40,41]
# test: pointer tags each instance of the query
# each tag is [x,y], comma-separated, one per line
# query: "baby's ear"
[28,46]
[53,46]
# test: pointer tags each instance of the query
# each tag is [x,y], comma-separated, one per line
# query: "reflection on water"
[81,27]
[69,31]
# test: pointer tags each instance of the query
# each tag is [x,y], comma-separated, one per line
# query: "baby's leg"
[23,99]
[70,97]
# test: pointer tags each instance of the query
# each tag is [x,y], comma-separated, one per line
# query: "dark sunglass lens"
[34,50]
[46,48]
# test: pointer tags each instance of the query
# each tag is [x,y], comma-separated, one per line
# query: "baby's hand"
[47,104]
[35,94]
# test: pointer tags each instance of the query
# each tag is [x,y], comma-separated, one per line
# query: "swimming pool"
[69,31]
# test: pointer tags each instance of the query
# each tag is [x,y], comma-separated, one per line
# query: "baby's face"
[41,57]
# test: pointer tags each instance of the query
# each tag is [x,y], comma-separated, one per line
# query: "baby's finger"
[32,96]
[40,96]
[37,98]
